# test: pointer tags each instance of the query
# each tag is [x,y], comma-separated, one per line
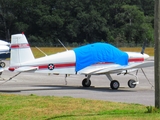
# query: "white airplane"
[92,59]
[4,52]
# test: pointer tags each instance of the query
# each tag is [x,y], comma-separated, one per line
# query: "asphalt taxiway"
[54,85]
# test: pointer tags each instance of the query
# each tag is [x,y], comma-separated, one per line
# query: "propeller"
[144,45]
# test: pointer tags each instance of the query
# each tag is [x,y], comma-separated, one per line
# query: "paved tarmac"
[54,85]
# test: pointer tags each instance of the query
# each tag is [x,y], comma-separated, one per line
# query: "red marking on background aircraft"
[23,45]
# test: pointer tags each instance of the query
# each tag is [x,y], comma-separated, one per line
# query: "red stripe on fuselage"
[63,65]
[135,59]
[73,64]
[22,45]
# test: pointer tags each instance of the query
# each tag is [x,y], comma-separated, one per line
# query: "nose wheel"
[132,83]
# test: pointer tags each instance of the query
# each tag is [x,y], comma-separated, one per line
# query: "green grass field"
[32,107]
[148,50]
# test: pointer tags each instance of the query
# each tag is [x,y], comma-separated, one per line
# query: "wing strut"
[41,51]
[10,78]
[147,79]
[109,76]
[62,45]
[66,79]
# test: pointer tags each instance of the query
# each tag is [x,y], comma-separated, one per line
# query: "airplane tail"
[20,50]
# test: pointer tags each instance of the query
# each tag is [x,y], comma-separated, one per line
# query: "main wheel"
[86,83]
[114,84]
[131,83]
[2,64]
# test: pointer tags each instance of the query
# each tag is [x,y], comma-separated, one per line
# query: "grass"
[32,107]
[148,50]
[52,50]
[47,50]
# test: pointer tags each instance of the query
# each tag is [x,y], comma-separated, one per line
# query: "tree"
[134,24]
[6,18]
[78,21]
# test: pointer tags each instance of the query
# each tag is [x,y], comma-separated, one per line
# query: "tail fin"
[20,50]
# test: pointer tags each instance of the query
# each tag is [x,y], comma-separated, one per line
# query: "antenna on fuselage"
[41,51]
[144,46]
[62,45]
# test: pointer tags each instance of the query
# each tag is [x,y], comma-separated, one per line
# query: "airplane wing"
[141,65]
[112,68]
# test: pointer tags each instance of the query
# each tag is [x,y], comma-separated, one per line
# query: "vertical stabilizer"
[20,50]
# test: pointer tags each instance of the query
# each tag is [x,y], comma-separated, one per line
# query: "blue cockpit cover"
[99,52]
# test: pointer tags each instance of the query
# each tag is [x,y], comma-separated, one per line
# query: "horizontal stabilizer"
[26,69]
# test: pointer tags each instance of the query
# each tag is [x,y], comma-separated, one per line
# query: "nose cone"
[145,56]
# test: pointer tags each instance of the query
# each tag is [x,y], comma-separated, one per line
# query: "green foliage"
[74,21]
[151,109]
[35,39]
[136,27]
[20,26]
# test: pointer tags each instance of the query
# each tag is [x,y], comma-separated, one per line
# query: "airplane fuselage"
[65,62]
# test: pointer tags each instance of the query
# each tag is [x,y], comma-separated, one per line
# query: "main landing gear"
[86,81]
[114,83]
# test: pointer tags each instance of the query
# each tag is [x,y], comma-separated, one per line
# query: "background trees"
[78,21]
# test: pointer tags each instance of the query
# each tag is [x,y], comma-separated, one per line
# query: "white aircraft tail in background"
[88,60]
[4,52]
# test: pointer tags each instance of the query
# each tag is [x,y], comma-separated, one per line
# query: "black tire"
[114,84]
[2,64]
[85,83]
[130,83]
